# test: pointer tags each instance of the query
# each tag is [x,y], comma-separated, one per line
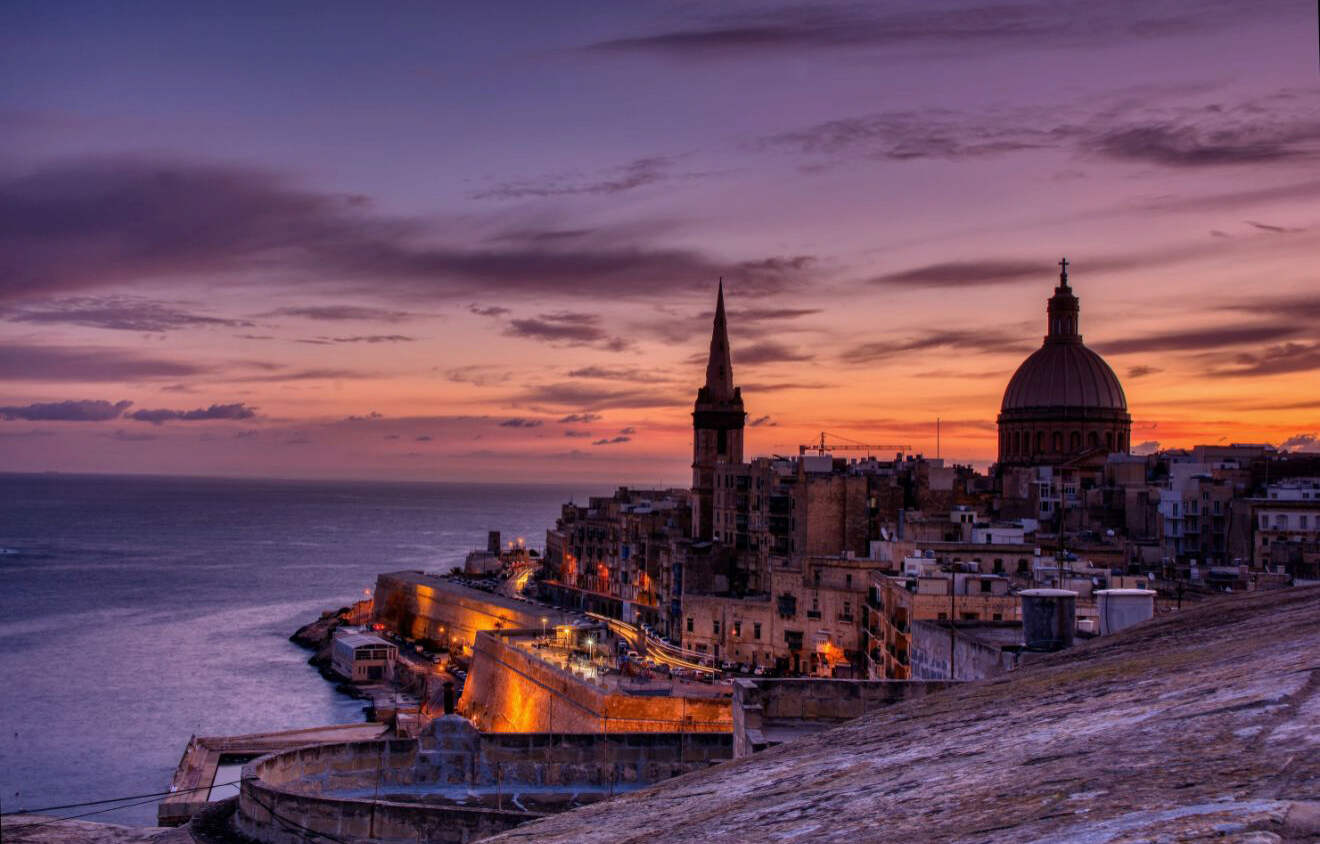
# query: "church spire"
[719,369]
[1064,311]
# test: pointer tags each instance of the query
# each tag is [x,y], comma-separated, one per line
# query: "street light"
[543,623]
[591,648]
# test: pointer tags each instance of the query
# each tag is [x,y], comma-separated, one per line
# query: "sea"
[138,611]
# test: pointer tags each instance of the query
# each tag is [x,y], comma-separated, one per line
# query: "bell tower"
[717,424]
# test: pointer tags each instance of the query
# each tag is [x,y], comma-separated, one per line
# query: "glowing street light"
[591,647]
[543,623]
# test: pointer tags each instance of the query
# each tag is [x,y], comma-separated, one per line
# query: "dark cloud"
[478,375]
[781,386]
[214,412]
[1266,227]
[371,338]
[343,313]
[120,313]
[966,273]
[620,373]
[491,311]
[520,422]
[66,411]
[1174,145]
[770,352]
[1275,360]
[923,27]
[567,328]
[1266,129]
[86,363]
[762,422]
[1144,448]
[613,440]
[1142,371]
[369,417]
[424,438]
[391,436]
[629,430]
[84,224]
[299,375]
[598,398]
[1200,339]
[581,418]
[577,434]
[972,340]
[1303,307]
[633,175]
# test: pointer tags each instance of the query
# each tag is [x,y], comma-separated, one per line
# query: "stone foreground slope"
[1205,724]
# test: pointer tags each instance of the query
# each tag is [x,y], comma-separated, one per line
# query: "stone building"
[1063,402]
[1287,528]
[895,604]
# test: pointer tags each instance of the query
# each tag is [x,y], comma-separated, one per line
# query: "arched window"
[1056,441]
[1109,440]
[1075,441]
[1092,440]
[1040,441]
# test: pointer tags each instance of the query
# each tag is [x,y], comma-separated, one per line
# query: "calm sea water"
[135,612]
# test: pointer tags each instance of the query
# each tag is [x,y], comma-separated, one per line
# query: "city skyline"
[486,243]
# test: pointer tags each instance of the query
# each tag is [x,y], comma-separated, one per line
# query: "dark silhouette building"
[1064,402]
[717,424]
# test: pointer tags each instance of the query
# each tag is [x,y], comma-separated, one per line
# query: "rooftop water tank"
[1049,618]
[1122,608]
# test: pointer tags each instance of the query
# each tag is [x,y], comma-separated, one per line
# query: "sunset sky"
[481,241]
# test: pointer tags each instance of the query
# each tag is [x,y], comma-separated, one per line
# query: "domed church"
[1064,402]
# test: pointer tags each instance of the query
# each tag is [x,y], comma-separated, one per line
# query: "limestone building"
[1064,403]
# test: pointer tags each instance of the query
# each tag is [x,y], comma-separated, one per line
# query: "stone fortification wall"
[508,690]
[423,606]
[329,789]
[759,703]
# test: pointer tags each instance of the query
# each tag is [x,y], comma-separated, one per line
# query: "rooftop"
[1205,723]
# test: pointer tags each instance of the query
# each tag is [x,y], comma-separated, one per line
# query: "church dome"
[1064,375]
[1064,404]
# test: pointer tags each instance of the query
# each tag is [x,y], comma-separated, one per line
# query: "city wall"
[326,789]
[509,690]
[806,705]
[423,606]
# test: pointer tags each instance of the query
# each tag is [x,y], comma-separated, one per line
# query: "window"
[1301,522]
[715,626]
[847,578]
[737,628]
[999,616]
[756,630]
[943,617]
[689,624]
[986,585]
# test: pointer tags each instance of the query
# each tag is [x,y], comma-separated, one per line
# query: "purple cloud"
[215,412]
[66,411]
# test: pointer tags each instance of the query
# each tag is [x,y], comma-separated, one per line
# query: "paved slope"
[1204,724]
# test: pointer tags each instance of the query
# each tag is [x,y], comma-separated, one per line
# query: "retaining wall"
[509,690]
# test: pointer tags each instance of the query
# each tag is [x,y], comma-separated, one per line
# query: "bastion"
[453,783]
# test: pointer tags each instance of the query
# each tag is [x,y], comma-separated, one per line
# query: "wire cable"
[160,794]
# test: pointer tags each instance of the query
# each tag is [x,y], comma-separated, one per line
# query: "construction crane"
[848,445]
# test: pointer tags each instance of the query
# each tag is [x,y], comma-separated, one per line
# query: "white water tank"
[1122,608]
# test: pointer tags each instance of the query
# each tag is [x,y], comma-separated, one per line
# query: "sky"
[481,241]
